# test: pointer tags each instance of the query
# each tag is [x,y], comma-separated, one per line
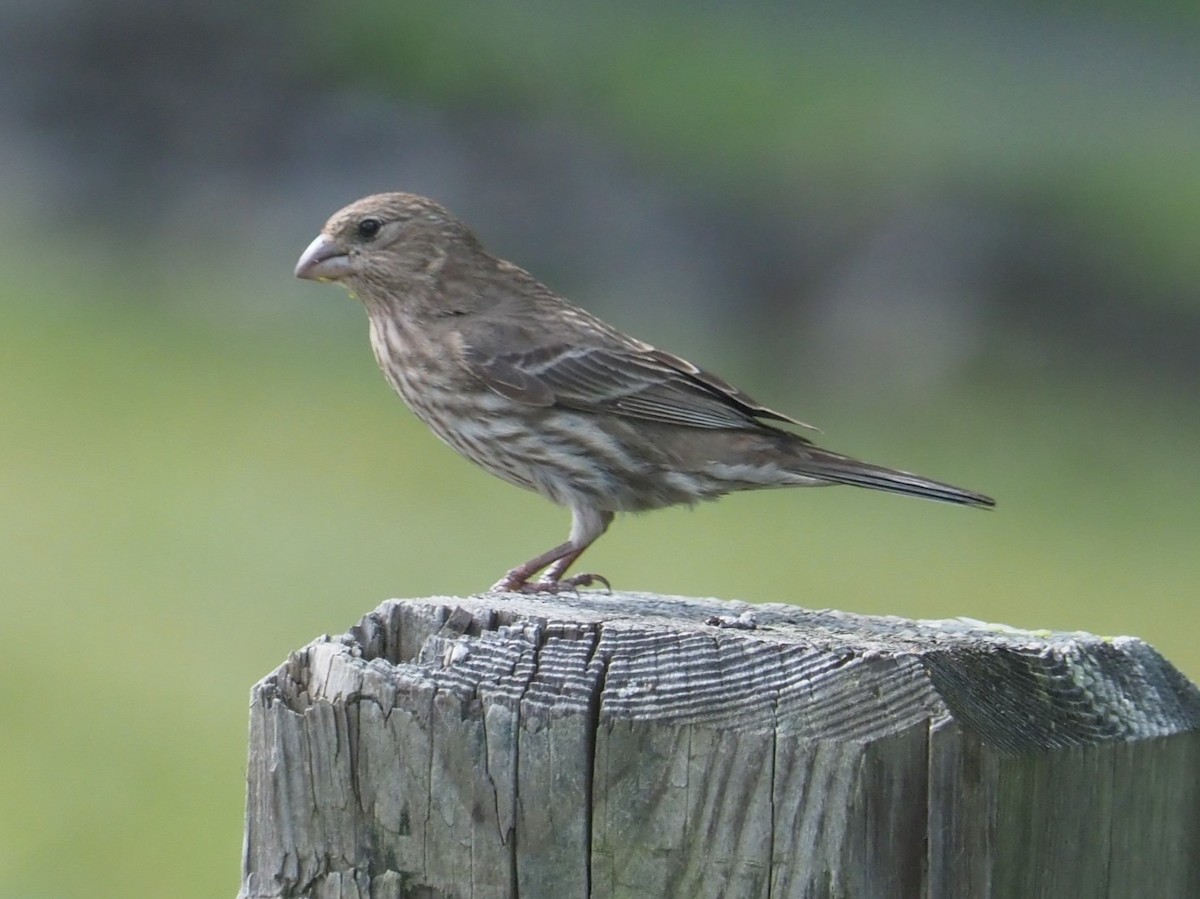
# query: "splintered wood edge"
[1015,690]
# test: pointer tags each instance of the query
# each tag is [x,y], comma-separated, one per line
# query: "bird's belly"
[570,458]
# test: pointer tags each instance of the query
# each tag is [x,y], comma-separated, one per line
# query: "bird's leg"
[556,571]
[517,580]
[587,524]
[553,578]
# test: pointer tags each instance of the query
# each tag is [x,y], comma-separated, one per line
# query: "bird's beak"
[324,260]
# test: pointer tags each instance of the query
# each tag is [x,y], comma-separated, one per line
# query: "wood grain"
[638,745]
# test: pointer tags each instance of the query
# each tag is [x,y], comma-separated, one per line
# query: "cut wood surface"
[635,745]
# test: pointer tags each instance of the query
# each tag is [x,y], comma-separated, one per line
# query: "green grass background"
[184,501]
[201,469]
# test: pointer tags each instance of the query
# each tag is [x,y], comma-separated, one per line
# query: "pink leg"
[552,581]
[517,579]
[587,524]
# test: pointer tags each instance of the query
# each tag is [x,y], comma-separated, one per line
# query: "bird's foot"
[514,582]
[572,583]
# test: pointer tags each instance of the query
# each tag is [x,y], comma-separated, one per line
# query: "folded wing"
[636,382]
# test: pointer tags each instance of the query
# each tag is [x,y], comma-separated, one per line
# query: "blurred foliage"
[816,104]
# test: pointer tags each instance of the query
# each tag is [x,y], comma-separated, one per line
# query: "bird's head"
[386,242]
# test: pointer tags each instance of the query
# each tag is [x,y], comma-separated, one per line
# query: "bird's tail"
[837,469]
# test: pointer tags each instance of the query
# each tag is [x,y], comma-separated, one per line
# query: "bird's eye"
[368,228]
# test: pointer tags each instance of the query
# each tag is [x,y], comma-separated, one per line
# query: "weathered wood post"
[645,746]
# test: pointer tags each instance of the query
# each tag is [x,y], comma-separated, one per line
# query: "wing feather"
[635,381]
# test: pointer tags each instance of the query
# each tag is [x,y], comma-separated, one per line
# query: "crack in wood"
[619,746]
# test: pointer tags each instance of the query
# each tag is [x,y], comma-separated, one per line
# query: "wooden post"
[648,746]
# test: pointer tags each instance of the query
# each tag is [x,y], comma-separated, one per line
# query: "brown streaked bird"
[545,395]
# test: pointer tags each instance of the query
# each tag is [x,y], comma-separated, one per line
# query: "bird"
[548,397]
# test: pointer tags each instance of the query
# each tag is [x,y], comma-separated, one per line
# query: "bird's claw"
[574,582]
[513,584]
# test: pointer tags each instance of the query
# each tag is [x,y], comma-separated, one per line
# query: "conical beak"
[324,260]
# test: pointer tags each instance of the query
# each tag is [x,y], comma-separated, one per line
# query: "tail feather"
[838,469]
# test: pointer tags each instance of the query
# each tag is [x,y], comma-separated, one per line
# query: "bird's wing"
[634,381]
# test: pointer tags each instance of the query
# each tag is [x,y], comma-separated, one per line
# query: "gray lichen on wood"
[505,746]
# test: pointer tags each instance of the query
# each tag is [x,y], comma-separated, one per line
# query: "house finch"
[548,397]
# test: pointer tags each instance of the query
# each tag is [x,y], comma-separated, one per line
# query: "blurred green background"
[962,243]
